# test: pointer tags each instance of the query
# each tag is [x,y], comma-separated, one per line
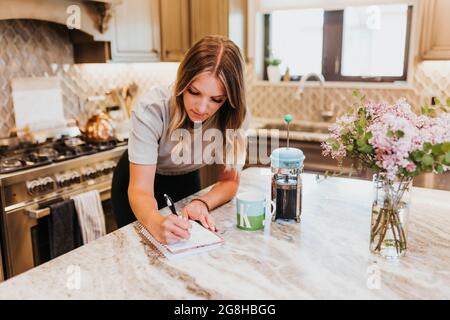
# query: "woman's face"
[203,97]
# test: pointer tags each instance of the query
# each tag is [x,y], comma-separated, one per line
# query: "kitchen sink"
[311,128]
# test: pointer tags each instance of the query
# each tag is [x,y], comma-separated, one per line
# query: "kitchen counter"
[326,256]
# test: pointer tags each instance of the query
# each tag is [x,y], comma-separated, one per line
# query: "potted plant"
[273,69]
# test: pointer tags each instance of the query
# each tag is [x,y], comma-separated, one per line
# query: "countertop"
[326,256]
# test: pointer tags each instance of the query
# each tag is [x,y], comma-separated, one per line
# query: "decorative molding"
[106,12]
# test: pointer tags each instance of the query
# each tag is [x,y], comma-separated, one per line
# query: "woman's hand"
[170,229]
[197,210]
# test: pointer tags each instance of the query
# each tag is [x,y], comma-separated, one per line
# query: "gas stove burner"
[47,153]
[11,163]
[73,142]
[104,145]
[27,156]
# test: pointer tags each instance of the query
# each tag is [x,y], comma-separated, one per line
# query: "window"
[369,43]
[308,26]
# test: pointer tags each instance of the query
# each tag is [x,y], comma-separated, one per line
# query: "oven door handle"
[41,213]
[37,213]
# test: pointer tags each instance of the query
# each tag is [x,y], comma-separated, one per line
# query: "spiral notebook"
[201,240]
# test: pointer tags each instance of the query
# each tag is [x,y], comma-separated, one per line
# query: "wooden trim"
[266,42]
[332,45]
[428,47]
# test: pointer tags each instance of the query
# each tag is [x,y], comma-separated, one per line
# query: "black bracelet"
[203,201]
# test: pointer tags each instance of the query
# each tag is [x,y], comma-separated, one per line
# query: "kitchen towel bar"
[43,212]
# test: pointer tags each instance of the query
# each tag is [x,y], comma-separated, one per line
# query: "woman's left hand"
[196,210]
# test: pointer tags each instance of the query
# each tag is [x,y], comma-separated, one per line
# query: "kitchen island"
[326,256]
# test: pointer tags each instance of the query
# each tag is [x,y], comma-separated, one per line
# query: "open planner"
[201,240]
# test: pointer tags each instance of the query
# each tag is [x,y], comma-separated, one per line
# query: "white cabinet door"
[135,31]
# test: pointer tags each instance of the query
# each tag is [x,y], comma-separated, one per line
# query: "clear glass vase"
[390,210]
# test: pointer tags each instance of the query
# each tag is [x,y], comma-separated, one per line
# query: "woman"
[209,93]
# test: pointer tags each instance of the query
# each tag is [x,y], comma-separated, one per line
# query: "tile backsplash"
[431,79]
[28,48]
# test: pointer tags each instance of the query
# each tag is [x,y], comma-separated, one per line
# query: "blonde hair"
[220,57]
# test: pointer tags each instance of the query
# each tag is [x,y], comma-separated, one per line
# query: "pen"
[170,204]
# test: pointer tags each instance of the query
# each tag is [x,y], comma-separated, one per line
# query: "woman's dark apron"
[177,187]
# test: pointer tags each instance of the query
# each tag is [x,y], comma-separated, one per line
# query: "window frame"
[332,49]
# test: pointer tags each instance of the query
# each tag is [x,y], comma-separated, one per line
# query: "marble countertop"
[326,256]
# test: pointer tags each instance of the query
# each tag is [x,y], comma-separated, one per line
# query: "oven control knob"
[61,180]
[74,177]
[47,184]
[33,186]
[89,174]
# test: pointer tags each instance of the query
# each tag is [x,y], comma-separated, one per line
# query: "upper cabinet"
[175,37]
[135,32]
[435,35]
[184,22]
[162,30]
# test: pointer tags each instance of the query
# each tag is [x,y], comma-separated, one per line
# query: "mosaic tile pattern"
[29,48]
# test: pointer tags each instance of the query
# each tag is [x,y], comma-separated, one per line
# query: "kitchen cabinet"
[175,37]
[184,22]
[135,31]
[224,17]
[435,27]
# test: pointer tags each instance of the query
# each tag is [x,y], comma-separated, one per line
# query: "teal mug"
[253,210]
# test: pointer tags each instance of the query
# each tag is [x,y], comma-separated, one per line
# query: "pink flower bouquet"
[392,140]
[397,145]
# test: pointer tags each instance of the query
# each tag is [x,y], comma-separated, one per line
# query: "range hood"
[94,14]
[91,44]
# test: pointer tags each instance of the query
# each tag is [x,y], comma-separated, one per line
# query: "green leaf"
[399,134]
[436,101]
[447,159]
[448,103]
[350,148]
[446,147]
[427,146]
[366,149]
[417,156]
[436,149]
[440,168]
[361,142]
[390,133]
[427,160]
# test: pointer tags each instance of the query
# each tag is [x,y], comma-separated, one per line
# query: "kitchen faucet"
[326,114]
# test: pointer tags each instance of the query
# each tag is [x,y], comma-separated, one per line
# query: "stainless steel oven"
[25,196]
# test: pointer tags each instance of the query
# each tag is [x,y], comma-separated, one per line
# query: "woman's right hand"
[170,229]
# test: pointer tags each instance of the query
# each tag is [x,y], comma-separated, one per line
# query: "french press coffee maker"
[287,167]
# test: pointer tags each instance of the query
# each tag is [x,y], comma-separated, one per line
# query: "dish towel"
[63,228]
[90,215]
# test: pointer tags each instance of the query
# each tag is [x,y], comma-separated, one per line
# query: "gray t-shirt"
[150,143]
